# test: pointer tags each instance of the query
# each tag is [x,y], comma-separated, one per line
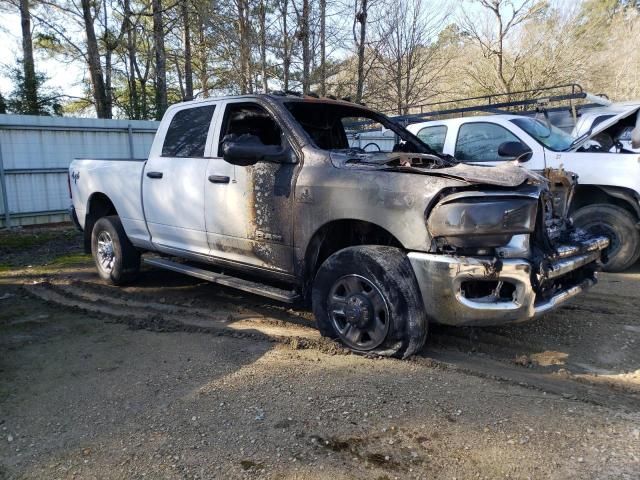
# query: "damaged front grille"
[563,256]
[555,204]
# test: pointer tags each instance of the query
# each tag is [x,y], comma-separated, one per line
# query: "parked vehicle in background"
[616,138]
[607,198]
[381,242]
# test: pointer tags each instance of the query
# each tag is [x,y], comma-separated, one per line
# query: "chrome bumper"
[442,278]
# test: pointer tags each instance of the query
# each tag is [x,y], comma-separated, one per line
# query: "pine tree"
[48,102]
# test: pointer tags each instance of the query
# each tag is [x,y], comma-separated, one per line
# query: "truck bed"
[121,181]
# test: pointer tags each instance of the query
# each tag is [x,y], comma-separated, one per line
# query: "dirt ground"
[177,378]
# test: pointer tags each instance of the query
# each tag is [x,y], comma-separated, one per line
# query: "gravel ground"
[174,378]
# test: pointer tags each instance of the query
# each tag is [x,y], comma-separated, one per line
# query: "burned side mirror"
[245,150]
[515,150]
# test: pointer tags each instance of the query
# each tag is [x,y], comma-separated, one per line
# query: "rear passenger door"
[174,178]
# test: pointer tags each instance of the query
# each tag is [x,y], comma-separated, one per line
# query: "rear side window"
[187,133]
[479,142]
[434,137]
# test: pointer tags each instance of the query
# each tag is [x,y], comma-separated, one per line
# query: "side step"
[286,296]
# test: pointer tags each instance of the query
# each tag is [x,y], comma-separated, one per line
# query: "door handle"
[218,179]
[154,174]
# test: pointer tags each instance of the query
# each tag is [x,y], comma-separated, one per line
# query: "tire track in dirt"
[166,317]
[449,349]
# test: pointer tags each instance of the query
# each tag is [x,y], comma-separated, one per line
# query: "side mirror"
[245,150]
[515,150]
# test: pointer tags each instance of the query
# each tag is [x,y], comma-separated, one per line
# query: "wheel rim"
[106,253]
[601,228]
[359,312]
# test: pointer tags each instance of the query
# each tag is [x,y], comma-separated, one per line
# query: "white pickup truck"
[264,193]
[607,198]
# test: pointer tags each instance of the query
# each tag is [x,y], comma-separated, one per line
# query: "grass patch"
[15,241]
[71,259]
[5,268]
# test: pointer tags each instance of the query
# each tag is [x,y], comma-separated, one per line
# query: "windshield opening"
[344,127]
[548,135]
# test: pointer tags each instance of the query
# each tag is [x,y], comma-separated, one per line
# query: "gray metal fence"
[384,140]
[35,153]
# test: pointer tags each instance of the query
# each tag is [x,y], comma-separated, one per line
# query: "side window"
[434,137]
[479,142]
[252,119]
[187,133]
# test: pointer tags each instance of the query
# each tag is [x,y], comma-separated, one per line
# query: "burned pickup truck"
[264,193]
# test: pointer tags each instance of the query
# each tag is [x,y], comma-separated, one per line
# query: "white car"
[607,200]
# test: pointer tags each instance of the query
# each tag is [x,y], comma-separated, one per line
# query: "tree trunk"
[93,59]
[362,19]
[134,102]
[107,61]
[306,54]
[30,80]
[263,45]
[188,69]
[500,55]
[176,61]
[161,59]
[201,54]
[286,60]
[323,47]
[243,38]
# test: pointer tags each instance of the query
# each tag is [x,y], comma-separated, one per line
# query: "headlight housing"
[482,221]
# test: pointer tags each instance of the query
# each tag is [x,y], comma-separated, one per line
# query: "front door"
[173,182]
[249,210]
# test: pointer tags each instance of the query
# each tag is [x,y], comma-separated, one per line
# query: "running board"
[274,293]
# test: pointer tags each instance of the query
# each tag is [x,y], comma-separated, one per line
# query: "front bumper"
[521,291]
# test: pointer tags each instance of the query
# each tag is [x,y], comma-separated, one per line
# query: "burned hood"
[508,174]
[503,175]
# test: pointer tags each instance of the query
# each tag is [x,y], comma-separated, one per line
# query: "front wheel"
[368,298]
[117,260]
[617,224]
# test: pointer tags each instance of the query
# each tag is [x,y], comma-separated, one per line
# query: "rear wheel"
[116,258]
[617,224]
[368,298]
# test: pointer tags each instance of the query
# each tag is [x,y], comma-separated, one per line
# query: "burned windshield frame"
[353,111]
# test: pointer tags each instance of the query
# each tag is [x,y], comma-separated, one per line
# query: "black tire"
[380,272]
[617,224]
[124,265]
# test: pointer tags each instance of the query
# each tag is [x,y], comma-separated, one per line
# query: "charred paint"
[269,204]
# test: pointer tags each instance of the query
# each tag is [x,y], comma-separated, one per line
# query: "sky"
[67,78]
[62,76]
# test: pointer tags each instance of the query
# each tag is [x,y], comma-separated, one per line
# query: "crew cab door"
[174,177]
[249,209]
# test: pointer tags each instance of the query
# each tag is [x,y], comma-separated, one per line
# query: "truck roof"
[277,97]
[414,127]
